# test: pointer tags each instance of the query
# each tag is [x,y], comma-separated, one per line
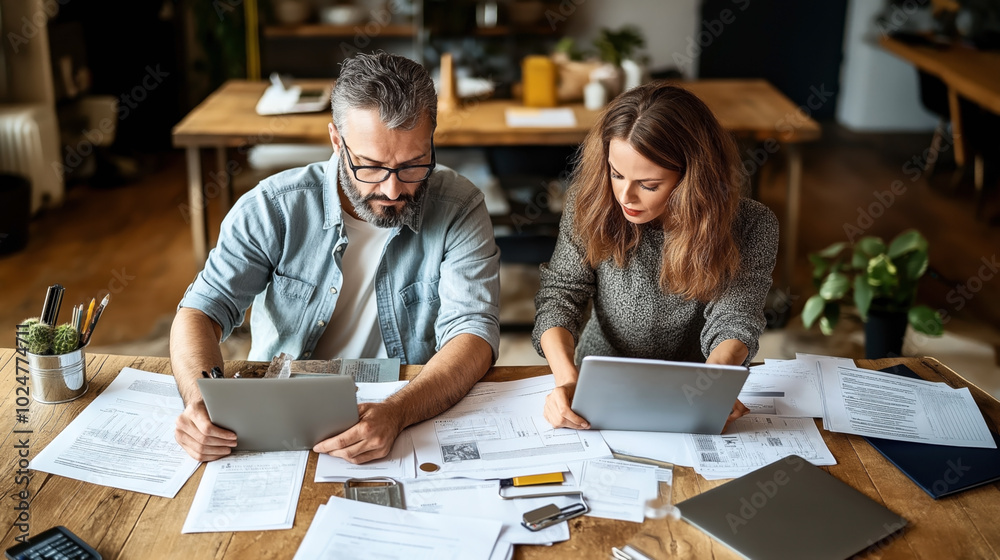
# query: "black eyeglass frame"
[390,170]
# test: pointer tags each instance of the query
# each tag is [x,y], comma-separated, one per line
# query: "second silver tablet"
[281,414]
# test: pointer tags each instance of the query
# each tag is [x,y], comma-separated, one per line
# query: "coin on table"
[429,467]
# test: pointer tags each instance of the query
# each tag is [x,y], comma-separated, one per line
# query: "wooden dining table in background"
[752,109]
[123,525]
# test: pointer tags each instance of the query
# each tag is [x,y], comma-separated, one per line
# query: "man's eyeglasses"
[376,174]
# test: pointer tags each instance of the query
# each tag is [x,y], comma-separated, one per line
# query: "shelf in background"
[502,30]
[326,30]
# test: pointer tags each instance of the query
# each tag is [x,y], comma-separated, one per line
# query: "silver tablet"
[281,414]
[656,395]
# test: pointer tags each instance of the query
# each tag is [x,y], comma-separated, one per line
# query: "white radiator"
[29,146]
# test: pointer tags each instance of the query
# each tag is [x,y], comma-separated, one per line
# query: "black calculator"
[57,543]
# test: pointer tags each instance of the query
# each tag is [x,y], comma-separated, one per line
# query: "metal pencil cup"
[58,379]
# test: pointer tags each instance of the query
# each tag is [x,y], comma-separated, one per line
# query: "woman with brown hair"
[656,234]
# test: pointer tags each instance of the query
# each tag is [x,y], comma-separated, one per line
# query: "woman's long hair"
[674,129]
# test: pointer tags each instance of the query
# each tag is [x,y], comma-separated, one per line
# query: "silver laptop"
[790,509]
[281,414]
[656,395]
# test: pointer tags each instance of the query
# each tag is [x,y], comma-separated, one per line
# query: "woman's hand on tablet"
[739,410]
[558,411]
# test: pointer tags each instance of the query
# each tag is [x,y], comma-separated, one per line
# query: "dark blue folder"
[940,470]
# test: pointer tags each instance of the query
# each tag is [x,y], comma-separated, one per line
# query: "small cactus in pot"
[65,340]
[41,339]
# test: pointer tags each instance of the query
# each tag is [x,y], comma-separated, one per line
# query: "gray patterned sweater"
[632,317]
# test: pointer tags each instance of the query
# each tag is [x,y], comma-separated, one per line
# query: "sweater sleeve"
[567,285]
[739,312]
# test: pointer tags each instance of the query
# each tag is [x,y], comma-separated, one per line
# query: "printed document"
[669,447]
[467,497]
[361,531]
[883,405]
[498,431]
[617,489]
[398,464]
[125,438]
[248,491]
[754,441]
[786,388]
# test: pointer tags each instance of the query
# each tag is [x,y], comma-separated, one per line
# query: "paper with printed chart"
[498,431]
[361,531]
[788,388]
[125,438]
[248,491]
[754,441]
[883,405]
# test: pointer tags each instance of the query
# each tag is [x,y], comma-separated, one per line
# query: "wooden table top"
[750,108]
[122,524]
[973,73]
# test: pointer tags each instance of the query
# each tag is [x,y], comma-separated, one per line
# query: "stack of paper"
[350,529]
[783,388]
[617,489]
[884,405]
[399,464]
[498,431]
[125,438]
[479,499]
[755,441]
[248,491]
[540,118]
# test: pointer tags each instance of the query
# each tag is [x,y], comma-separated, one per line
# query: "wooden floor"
[133,241]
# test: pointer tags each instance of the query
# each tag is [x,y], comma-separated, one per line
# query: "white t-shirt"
[353,330]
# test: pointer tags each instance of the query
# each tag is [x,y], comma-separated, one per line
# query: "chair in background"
[934,97]
[533,180]
[29,131]
[980,131]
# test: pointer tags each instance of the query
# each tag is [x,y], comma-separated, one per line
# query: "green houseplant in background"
[881,281]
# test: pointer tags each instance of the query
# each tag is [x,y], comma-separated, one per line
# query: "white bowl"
[346,14]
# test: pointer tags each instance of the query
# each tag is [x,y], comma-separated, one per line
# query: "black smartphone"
[57,542]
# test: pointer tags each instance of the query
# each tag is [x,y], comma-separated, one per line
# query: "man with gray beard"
[377,253]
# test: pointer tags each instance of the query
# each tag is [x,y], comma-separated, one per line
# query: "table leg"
[794,190]
[196,207]
[956,127]
[225,180]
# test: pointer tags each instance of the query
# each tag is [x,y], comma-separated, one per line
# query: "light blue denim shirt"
[280,247]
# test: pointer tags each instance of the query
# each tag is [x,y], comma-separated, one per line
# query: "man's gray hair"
[398,87]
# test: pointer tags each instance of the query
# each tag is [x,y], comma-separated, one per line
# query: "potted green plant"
[619,49]
[881,281]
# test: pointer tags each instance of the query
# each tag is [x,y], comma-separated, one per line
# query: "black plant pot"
[884,334]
